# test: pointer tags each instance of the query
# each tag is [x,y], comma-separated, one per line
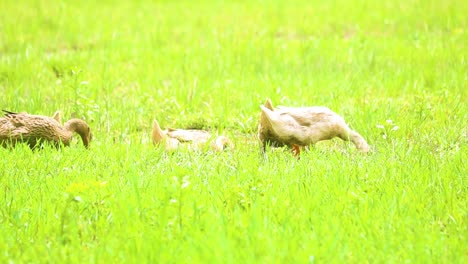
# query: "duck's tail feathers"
[268,113]
[57,116]
[158,134]
[8,112]
[268,104]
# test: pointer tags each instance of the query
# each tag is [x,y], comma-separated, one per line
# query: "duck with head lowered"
[302,126]
[18,128]
[193,138]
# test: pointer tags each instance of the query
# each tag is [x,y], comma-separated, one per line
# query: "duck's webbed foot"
[296,150]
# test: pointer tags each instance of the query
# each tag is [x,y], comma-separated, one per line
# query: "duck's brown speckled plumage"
[33,129]
[303,126]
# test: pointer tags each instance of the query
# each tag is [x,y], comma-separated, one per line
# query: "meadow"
[397,71]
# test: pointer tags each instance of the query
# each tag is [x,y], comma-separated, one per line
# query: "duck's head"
[81,127]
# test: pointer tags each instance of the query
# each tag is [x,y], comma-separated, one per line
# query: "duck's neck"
[79,126]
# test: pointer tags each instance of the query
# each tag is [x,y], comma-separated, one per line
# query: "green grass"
[210,64]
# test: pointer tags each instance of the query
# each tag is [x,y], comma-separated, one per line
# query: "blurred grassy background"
[210,64]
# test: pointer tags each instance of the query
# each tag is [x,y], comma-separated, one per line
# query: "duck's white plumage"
[196,139]
[303,126]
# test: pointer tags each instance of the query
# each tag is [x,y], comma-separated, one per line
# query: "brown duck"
[194,138]
[33,129]
[302,126]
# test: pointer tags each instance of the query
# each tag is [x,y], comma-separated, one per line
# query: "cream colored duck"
[32,129]
[195,139]
[302,126]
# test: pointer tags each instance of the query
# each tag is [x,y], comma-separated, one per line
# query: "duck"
[299,127]
[194,138]
[31,129]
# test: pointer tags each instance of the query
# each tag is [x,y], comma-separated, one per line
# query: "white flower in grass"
[185,182]
[387,127]
[185,185]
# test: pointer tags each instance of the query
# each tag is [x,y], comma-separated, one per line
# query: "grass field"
[396,70]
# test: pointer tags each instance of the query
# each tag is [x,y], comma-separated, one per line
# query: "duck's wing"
[8,112]
[14,124]
[16,119]
[281,123]
[279,118]
[189,135]
[6,126]
[306,116]
[25,119]
[300,125]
